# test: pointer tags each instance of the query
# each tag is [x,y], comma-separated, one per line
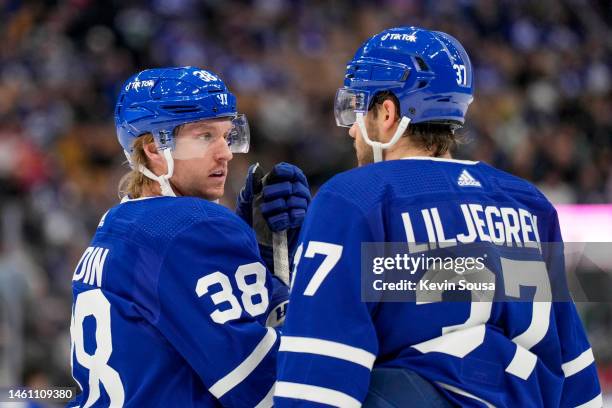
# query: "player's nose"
[223,152]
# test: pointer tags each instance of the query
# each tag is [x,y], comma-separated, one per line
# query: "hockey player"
[405,93]
[172,297]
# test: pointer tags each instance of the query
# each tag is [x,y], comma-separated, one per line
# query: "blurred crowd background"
[542,110]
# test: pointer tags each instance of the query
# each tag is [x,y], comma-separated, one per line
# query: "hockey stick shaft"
[281,256]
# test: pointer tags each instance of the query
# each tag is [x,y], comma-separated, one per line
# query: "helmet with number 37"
[428,71]
[158,100]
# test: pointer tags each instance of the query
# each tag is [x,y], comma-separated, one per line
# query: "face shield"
[239,137]
[196,139]
[347,103]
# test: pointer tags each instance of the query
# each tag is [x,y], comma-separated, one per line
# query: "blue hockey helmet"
[158,100]
[428,71]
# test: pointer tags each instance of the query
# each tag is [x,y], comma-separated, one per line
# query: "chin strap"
[164,184]
[378,147]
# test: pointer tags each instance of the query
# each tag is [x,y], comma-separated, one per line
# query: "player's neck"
[151,190]
[409,151]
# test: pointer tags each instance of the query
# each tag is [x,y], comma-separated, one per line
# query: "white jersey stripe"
[596,402]
[523,363]
[314,393]
[238,374]
[327,348]
[464,393]
[458,343]
[268,400]
[579,363]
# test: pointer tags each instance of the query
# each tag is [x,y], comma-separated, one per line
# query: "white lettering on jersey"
[90,266]
[501,226]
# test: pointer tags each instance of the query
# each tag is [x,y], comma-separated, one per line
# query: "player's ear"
[156,160]
[388,114]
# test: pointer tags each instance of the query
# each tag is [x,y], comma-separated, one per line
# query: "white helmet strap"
[163,180]
[378,147]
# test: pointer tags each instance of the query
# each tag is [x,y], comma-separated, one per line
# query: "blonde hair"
[134,183]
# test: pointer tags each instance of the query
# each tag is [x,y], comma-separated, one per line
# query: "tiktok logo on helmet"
[136,85]
[400,37]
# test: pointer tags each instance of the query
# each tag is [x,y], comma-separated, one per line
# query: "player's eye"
[207,137]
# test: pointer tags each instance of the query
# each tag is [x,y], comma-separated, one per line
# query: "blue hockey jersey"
[503,354]
[170,304]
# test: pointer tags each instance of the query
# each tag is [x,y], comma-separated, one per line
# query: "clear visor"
[195,139]
[239,138]
[348,102]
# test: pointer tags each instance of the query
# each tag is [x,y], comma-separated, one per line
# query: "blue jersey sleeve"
[581,385]
[214,297]
[329,342]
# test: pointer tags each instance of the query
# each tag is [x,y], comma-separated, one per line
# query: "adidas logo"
[466,180]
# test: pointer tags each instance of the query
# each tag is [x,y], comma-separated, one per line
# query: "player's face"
[364,152]
[201,156]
